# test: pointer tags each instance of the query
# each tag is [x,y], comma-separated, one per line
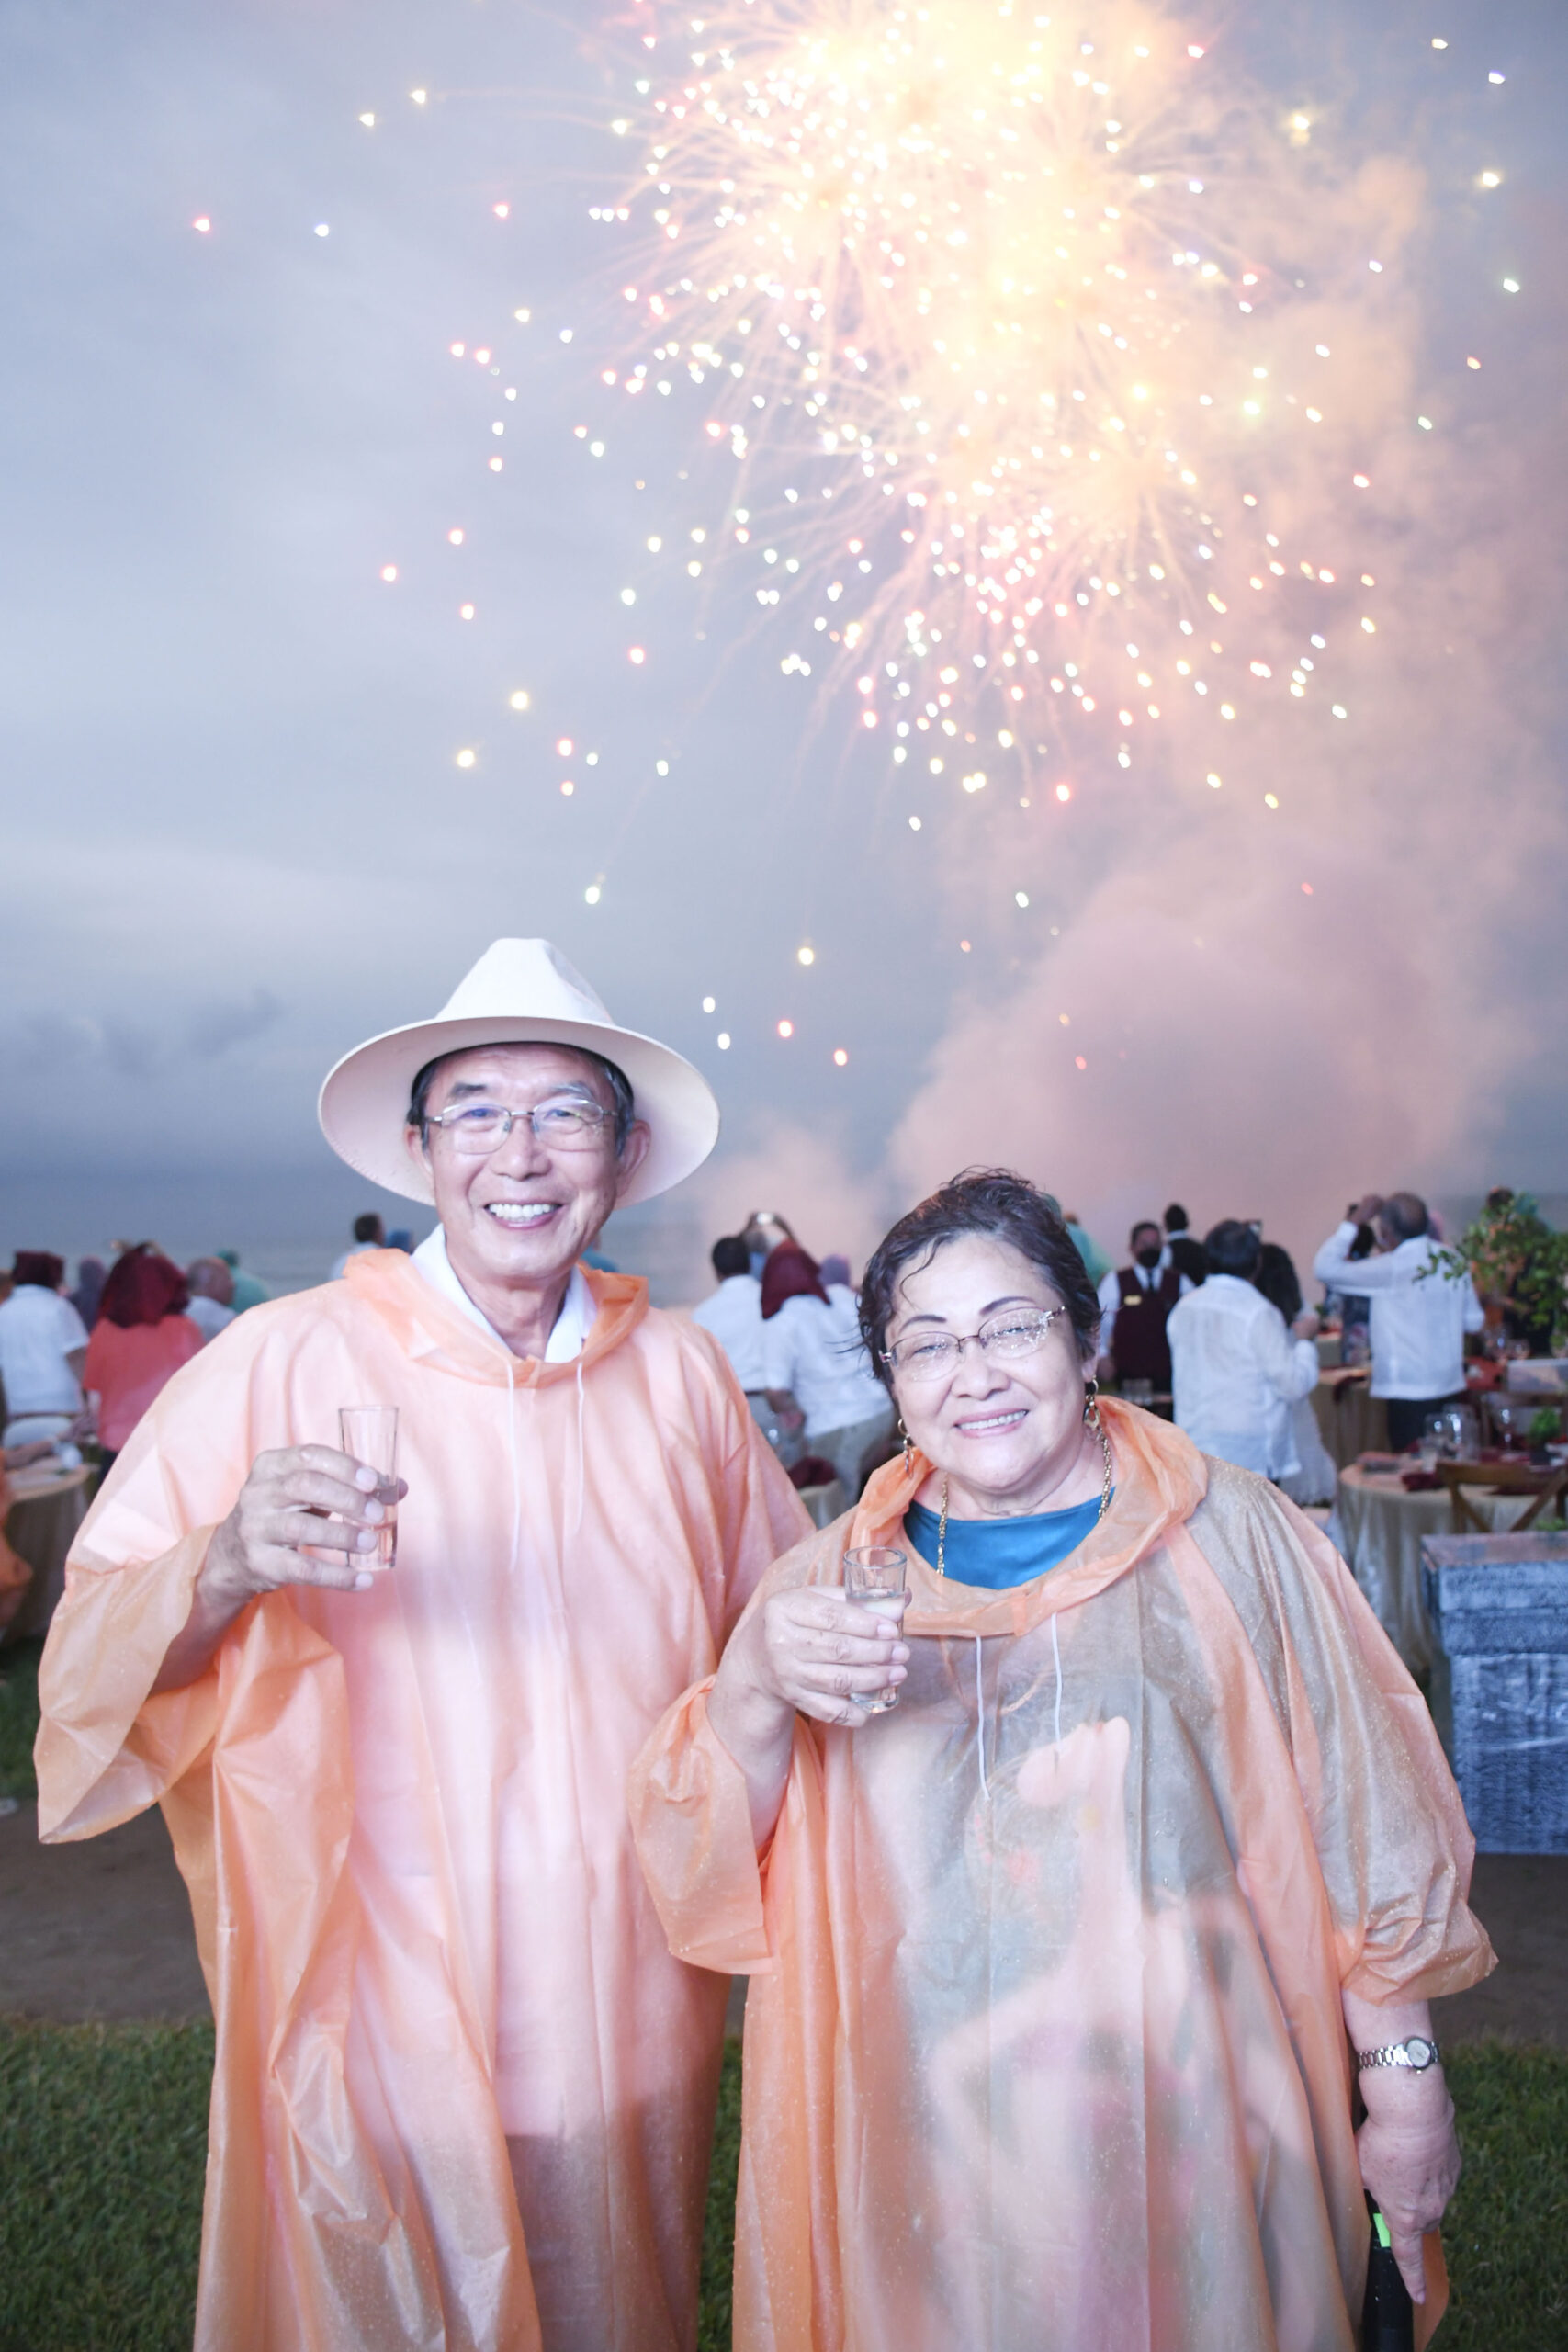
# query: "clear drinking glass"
[874,1579]
[1439,1438]
[370,1433]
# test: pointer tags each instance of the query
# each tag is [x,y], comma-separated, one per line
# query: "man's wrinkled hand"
[305,1515]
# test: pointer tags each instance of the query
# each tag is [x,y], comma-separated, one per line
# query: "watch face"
[1419,2052]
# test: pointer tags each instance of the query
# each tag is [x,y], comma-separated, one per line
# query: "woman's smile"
[992,1424]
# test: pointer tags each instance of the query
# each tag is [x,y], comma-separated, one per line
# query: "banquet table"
[48,1505]
[1351,1421]
[1380,1528]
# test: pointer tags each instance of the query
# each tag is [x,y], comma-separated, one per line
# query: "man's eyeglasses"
[935,1355]
[563,1123]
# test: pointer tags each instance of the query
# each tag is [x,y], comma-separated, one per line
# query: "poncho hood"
[430,1330]
[1160,1479]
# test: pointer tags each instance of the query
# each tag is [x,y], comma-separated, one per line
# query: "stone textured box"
[1499,1611]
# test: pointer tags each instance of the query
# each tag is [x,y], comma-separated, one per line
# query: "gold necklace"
[1091,1414]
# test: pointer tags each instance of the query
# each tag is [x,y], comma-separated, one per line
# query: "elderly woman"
[1064,1970]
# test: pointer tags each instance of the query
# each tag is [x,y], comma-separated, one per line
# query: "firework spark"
[1017,326]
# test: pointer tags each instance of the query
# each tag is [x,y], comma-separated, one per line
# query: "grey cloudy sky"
[235,836]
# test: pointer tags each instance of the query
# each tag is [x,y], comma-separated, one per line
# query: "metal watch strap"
[1396,2054]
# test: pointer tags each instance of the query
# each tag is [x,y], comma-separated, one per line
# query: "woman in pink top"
[140,1339]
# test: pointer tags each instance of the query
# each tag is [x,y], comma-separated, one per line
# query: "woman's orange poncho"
[401,1815]
[1045,2050]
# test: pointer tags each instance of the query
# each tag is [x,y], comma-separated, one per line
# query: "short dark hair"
[367,1228]
[1144,1224]
[1277,1278]
[1176,1219]
[730,1256]
[1002,1206]
[619,1084]
[1405,1214]
[1231,1247]
[37,1269]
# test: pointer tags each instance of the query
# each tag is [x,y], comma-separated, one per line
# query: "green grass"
[103,2141]
[18,1721]
[103,2134]
[718,2237]
[1505,2232]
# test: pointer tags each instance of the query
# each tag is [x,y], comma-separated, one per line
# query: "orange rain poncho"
[1045,2050]
[401,1815]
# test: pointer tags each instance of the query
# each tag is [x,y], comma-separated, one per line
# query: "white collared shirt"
[817,1352]
[572,1325]
[733,1313]
[38,1330]
[1237,1372]
[1419,1320]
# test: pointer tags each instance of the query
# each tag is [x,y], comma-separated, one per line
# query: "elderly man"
[44,1347]
[211,1303]
[464,2098]
[1420,1311]
[1236,1367]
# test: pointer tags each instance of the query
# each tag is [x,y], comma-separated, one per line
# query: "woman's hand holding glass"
[811,1650]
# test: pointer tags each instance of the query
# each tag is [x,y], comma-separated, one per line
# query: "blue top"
[1001,1551]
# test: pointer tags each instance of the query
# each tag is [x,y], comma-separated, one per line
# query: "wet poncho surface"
[401,1815]
[1044,2049]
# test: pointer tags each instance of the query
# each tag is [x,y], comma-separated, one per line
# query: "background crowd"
[1211,1332]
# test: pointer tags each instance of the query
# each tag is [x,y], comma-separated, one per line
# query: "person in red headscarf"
[140,1340]
[813,1351]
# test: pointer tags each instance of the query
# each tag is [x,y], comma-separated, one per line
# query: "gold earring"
[1091,1404]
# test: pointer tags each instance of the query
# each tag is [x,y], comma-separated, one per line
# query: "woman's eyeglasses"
[933,1355]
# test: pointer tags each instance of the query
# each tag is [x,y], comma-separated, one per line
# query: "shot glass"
[370,1433]
[874,1579]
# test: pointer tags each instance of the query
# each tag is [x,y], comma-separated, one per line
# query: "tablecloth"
[1351,1422]
[47,1508]
[1379,1528]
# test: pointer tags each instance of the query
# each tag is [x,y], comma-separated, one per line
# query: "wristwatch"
[1416,2053]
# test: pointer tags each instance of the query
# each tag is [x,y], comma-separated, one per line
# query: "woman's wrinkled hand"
[1410,2160]
[304,1516]
[813,1648]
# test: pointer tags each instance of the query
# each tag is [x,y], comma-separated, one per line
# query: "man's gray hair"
[615,1078]
[1405,1214]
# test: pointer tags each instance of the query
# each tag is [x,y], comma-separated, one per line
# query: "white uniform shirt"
[734,1315]
[356,1251]
[817,1352]
[1235,1372]
[210,1316]
[1149,1278]
[38,1330]
[572,1325]
[1417,1324]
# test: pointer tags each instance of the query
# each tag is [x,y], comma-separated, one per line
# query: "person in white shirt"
[211,1303]
[43,1345]
[369,1233]
[812,1350]
[1418,1317]
[1236,1370]
[733,1313]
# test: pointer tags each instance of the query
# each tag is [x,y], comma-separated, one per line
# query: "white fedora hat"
[520,992]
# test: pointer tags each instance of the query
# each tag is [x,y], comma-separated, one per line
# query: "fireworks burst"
[1016,327]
